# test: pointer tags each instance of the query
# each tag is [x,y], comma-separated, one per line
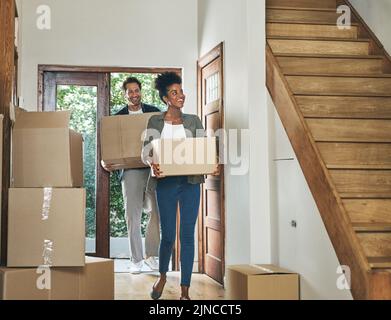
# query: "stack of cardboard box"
[46,215]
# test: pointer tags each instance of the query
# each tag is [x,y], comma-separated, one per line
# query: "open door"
[58,89]
[212,218]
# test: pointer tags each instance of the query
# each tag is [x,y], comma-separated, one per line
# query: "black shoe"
[155,295]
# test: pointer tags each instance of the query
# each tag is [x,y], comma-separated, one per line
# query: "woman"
[171,190]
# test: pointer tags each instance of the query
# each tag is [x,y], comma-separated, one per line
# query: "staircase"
[332,91]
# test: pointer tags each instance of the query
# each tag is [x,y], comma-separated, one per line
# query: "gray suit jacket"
[193,127]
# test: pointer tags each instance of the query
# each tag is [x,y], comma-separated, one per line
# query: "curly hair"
[164,80]
[131,80]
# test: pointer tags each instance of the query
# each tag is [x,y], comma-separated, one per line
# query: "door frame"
[48,103]
[64,68]
[8,51]
[215,53]
[103,220]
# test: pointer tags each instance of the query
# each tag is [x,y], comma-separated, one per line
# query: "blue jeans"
[170,191]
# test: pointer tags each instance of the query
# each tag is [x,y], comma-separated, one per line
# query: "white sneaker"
[136,267]
[153,263]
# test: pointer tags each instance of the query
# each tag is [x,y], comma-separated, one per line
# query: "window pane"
[82,102]
[212,88]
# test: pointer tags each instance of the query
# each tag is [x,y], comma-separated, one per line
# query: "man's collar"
[141,107]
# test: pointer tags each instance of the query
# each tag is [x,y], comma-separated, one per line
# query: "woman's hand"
[107,167]
[156,170]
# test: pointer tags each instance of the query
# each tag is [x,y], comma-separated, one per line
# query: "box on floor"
[261,282]
[46,226]
[121,140]
[45,152]
[94,281]
[190,156]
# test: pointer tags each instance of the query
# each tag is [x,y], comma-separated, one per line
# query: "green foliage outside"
[83,104]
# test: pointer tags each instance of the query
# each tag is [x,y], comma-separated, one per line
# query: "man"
[136,198]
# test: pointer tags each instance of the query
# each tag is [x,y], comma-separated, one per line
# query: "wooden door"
[7,80]
[212,220]
[98,196]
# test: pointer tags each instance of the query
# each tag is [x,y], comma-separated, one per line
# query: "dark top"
[145,107]
[193,128]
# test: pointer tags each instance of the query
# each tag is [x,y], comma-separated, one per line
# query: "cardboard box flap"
[258,269]
[44,120]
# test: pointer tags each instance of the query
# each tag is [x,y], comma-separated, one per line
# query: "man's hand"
[156,170]
[107,167]
[217,171]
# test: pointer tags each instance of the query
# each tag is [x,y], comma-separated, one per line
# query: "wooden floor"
[138,287]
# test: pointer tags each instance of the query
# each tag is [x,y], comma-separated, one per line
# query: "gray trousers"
[137,199]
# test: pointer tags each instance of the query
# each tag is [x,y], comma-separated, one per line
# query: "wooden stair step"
[346,84]
[330,65]
[338,56]
[309,21]
[271,7]
[326,4]
[380,262]
[350,130]
[338,155]
[309,30]
[371,182]
[375,244]
[319,45]
[346,94]
[368,195]
[372,227]
[303,16]
[345,107]
[386,76]
[322,39]
[368,210]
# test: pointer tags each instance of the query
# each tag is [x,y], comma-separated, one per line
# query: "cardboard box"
[45,152]
[14,112]
[20,284]
[97,279]
[261,282]
[190,156]
[122,140]
[94,281]
[46,226]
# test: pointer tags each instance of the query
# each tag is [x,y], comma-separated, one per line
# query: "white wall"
[124,33]
[137,33]
[376,14]
[240,24]
[306,248]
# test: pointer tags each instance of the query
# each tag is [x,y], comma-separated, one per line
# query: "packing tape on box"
[47,252]
[47,199]
[48,245]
